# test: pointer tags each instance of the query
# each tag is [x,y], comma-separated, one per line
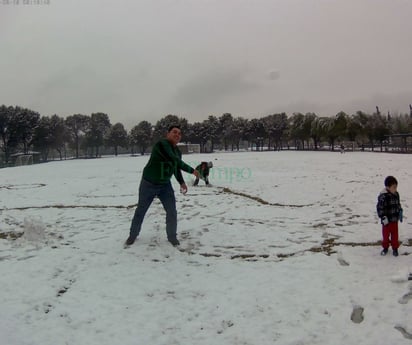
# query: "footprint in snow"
[405,298]
[342,261]
[405,333]
[357,314]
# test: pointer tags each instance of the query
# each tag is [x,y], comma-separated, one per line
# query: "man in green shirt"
[165,161]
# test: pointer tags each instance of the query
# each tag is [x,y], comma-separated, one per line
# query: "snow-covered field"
[282,249]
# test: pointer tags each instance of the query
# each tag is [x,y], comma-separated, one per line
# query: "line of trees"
[23,131]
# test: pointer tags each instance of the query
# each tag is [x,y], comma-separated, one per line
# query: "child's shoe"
[395,252]
[129,241]
[174,241]
[384,251]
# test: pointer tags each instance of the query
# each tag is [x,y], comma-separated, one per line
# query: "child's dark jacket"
[388,205]
[203,170]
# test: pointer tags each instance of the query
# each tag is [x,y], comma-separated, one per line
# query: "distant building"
[189,148]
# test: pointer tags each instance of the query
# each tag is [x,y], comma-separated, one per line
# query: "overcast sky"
[143,59]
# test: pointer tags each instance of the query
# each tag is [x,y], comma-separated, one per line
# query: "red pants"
[390,235]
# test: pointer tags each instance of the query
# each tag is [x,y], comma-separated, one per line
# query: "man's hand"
[196,173]
[183,188]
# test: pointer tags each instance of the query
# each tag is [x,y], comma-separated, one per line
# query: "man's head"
[391,184]
[174,134]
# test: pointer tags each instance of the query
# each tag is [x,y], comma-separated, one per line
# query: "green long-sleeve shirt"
[165,161]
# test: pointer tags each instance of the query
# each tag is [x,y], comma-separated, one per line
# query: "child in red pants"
[390,212]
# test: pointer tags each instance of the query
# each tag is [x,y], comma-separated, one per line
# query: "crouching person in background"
[203,170]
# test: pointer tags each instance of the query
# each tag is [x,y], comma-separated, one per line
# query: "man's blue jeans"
[147,192]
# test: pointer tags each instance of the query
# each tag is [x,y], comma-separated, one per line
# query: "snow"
[282,249]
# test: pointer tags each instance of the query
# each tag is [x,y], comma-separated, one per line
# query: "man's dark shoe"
[395,252]
[175,242]
[384,251]
[129,241]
